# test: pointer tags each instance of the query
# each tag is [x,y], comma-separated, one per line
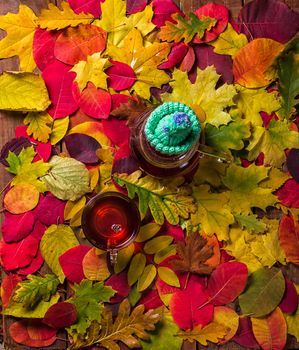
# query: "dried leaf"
[213,332]
[21,198]
[289,302]
[288,194]
[130,110]
[43,47]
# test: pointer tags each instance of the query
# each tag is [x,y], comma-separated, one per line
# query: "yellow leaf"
[23,92]
[276,178]
[20,30]
[147,231]
[123,258]
[106,156]
[203,93]
[229,42]
[228,318]
[73,211]
[210,171]
[168,276]
[95,266]
[39,125]
[94,177]
[147,277]
[92,70]
[136,268]
[59,129]
[21,198]
[54,18]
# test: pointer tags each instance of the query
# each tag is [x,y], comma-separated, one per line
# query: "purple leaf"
[268,19]
[82,147]
[17,227]
[15,145]
[119,283]
[293,163]
[244,335]
[134,6]
[289,302]
[50,210]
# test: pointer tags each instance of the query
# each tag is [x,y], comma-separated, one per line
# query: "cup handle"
[113,256]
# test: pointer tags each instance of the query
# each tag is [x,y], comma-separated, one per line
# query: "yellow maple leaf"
[229,42]
[39,125]
[54,18]
[203,94]
[20,28]
[252,101]
[143,60]
[276,178]
[92,70]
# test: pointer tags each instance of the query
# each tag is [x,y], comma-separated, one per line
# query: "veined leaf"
[168,276]
[136,268]
[59,129]
[251,223]
[156,244]
[167,200]
[147,277]
[123,258]
[147,231]
[21,198]
[39,125]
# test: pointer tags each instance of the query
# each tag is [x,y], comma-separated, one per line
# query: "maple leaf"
[125,327]
[193,252]
[27,172]
[272,142]
[23,92]
[92,71]
[144,60]
[252,101]
[89,301]
[245,191]
[31,291]
[130,110]
[167,199]
[251,223]
[229,42]
[203,95]
[185,28]
[39,125]
[54,18]
[20,30]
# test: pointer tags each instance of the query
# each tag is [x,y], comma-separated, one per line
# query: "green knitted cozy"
[172,128]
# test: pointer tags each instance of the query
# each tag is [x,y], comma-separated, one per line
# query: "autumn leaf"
[95,266]
[59,130]
[54,18]
[147,232]
[193,253]
[251,223]
[67,179]
[61,315]
[288,237]
[124,257]
[56,240]
[147,277]
[73,211]
[272,142]
[168,276]
[21,198]
[292,323]
[252,64]
[136,268]
[23,92]
[39,125]
[31,291]
[245,190]
[228,318]
[203,95]
[144,60]
[130,110]
[229,42]
[162,199]
[106,158]
[20,28]
[185,28]
[156,244]
[92,70]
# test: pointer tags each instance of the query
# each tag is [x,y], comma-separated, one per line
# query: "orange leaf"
[32,332]
[21,198]
[271,331]
[95,266]
[214,260]
[252,63]
[289,238]
[228,318]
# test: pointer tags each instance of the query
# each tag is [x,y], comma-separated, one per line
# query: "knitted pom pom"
[172,128]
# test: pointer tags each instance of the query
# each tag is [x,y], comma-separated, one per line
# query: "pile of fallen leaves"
[212,259]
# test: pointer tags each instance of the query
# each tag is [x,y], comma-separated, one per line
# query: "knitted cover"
[172,128]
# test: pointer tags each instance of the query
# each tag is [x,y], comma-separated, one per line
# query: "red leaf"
[94,102]
[184,305]
[61,315]
[174,231]
[87,6]
[50,210]
[34,266]
[134,6]
[17,227]
[117,131]
[289,302]
[293,163]
[150,299]
[268,19]
[227,282]
[177,54]
[117,100]
[59,81]
[119,283]
[244,335]
[75,44]
[163,10]
[82,147]
[289,238]
[71,263]
[218,12]
[32,332]
[289,194]
[43,47]
[38,230]
[188,60]
[16,255]
[8,285]
[120,76]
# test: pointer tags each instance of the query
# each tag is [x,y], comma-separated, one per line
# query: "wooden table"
[8,122]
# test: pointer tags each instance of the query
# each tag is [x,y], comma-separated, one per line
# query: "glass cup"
[111,221]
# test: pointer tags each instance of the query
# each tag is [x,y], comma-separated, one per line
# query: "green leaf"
[264,292]
[251,223]
[123,258]
[31,291]
[156,244]
[168,276]
[134,296]
[39,125]
[167,199]
[164,253]
[88,299]
[147,231]
[68,178]
[56,240]
[23,92]
[59,129]
[136,268]
[147,277]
